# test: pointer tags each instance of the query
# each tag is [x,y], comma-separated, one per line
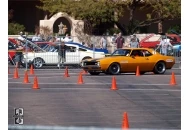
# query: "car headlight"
[82,63]
[98,63]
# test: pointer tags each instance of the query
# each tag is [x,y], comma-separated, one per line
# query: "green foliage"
[163,9]
[15,28]
[176,28]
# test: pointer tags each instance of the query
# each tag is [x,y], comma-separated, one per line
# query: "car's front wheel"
[160,68]
[38,63]
[114,68]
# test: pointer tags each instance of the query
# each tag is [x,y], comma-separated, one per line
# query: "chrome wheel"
[114,68]
[160,68]
[38,62]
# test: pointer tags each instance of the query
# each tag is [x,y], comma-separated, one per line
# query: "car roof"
[149,49]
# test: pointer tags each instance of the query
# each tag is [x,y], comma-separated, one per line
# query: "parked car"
[145,43]
[127,59]
[74,55]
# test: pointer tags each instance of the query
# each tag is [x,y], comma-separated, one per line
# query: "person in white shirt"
[164,44]
[103,42]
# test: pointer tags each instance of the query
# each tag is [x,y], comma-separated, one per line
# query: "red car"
[153,44]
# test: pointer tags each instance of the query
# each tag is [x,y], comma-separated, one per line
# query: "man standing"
[164,44]
[18,55]
[120,41]
[103,42]
[134,43]
[61,47]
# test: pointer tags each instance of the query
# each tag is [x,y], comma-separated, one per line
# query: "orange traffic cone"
[137,71]
[84,72]
[66,73]
[31,69]
[114,85]
[26,77]
[125,123]
[173,81]
[80,79]
[35,85]
[16,73]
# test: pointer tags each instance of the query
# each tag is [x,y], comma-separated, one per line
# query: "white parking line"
[99,84]
[168,90]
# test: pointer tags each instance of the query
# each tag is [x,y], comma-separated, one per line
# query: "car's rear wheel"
[38,63]
[94,73]
[114,68]
[160,68]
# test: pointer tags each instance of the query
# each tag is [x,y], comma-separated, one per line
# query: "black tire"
[160,68]
[38,63]
[94,73]
[114,69]
[141,73]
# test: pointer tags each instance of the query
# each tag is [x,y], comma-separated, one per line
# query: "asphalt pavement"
[150,100]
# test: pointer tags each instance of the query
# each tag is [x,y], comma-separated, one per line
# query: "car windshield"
[121,52]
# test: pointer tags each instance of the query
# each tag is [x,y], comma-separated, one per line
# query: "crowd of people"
[117,40]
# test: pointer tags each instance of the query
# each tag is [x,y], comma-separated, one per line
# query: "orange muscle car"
[127,59]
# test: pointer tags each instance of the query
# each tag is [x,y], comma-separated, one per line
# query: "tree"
[13,27]
[92,12]
[96,12]
[161,10]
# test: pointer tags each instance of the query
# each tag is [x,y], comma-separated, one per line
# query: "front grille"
[90,63]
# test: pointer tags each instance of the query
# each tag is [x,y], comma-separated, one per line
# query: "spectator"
[120,41]
[136,38]
[113,38]
[61,47]
[164,44]
[68,38]
[103,42]
[19,54]
[36,37]
[133,43]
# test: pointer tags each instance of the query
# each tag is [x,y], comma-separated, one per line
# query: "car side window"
[81,49]
[71,49]
[137,53]
[146,53]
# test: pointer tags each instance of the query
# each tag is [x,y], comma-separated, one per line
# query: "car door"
[137,58]
[72,54]
[50,56]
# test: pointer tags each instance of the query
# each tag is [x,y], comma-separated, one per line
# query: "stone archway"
[65,21]
[71,23]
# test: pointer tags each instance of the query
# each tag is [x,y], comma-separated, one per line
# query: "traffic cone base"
[35,85]
[26,77]
[16,74]
[66,73]
[80,79]
[173,81]
[137,71]
[125,123]
[114,85]
[31,69]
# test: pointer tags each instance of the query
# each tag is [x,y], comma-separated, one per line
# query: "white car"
[74,55]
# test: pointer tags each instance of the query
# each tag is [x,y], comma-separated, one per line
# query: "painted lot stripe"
[168,90]
[99,84]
